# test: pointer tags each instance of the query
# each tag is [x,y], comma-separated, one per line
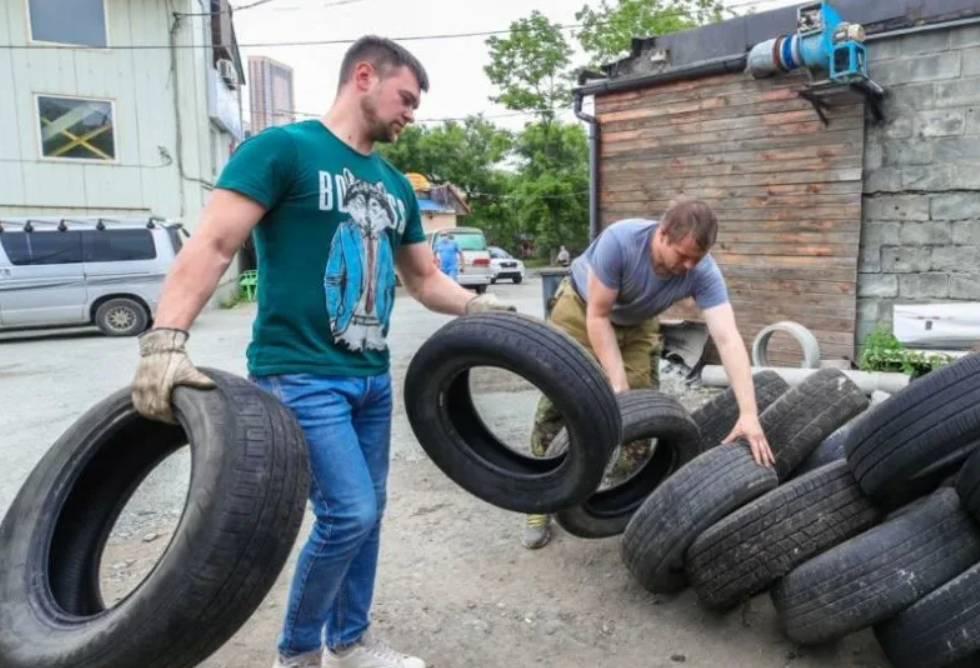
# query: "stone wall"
[920,238]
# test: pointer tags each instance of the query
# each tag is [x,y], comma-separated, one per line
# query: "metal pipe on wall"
[593,165]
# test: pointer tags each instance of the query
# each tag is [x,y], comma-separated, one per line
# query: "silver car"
[63,272]
[475,272]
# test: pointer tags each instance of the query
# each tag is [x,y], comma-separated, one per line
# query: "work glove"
[163,365]
[484,303]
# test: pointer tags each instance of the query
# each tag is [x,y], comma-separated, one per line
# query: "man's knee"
[350,521]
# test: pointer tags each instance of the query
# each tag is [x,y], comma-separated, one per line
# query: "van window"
[175,239]
[470,241]
[39,248]
[117,245]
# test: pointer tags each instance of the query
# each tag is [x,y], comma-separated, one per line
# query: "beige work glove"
[485,303]
[163,365]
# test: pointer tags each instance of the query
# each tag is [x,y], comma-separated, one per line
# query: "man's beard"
[377,130]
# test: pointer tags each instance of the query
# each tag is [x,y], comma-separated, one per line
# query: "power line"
[257,45]
[324,42]
[259,3]
[477,114]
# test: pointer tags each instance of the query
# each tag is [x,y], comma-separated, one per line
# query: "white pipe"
[868,381]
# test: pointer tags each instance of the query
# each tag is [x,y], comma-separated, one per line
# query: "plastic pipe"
[868,381]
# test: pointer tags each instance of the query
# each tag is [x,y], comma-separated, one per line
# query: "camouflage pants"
[638,344]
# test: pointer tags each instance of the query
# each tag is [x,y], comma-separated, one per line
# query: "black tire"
[518,279]
[645,414]
[874,576]
[798,421]
[243,511]
[967,484]
[707,489]
[716,418]
[480,289]
[925,431]
[747,551]
[445,422]
[121,317]
[831,449]
[939,629]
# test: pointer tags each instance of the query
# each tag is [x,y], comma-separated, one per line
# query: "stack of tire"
[870,518]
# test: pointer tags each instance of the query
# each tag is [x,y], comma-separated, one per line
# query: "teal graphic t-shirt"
[325,249]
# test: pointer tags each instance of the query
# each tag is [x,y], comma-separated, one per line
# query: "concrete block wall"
[920,237]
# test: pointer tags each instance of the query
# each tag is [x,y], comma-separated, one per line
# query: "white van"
[476,273]
[63,272]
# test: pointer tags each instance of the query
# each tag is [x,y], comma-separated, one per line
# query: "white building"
[116,107]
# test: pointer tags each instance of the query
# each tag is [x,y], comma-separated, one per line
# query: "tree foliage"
[531,66]
[608,29]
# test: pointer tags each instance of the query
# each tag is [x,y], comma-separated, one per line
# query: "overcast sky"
[459,85]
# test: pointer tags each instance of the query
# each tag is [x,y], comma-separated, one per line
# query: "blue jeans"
[347,425]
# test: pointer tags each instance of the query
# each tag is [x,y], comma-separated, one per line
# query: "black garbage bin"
[551,278]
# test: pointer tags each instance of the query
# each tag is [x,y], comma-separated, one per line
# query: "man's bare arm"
[434,289]
[602,336]
[724,331]
[225,223]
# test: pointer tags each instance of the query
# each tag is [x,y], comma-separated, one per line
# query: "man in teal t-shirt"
[331,221]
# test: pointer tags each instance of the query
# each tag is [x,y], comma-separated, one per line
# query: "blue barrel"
[551,278]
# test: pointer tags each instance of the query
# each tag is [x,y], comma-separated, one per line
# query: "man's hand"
[748,427]
[163,365]
[487,302]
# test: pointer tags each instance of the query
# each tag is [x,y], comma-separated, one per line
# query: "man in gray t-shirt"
[634,271]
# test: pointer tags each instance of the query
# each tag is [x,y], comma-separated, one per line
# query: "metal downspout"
[593,166]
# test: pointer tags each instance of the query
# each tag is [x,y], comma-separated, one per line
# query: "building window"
[79,22]
[77,129]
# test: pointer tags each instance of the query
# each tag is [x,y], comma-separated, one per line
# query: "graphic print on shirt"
[360,277]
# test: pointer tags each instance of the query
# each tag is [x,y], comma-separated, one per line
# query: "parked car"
[69,272]
[504,265]
[476,272]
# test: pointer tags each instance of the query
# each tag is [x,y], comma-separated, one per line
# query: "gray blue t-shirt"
[620,258]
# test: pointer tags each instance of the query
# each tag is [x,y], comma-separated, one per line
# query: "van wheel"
[480,289]
[121,317]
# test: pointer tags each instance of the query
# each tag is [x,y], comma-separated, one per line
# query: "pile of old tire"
[244,507]
[646,414]
[440,410]
[693,518]
[915,578]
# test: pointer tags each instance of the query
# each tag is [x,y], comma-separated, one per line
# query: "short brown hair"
[690,217]
[385,55]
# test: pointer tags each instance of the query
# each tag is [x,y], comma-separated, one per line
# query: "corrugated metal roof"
[426,204]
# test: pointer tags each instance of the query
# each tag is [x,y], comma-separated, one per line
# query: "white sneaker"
[308,660]
[370,652]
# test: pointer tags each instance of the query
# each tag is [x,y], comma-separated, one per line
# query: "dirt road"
[455,585]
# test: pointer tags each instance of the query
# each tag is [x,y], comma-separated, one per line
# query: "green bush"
[883,352]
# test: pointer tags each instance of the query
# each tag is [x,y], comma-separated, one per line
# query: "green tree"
[607,31]
[551,194]
[467,154]
[531,66]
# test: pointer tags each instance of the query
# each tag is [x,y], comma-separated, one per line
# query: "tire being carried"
[702,492]
[244,508]
[717,418]
[750,549]
[646,414]
[442,415]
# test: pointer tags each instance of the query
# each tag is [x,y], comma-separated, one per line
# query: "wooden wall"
[786,190]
